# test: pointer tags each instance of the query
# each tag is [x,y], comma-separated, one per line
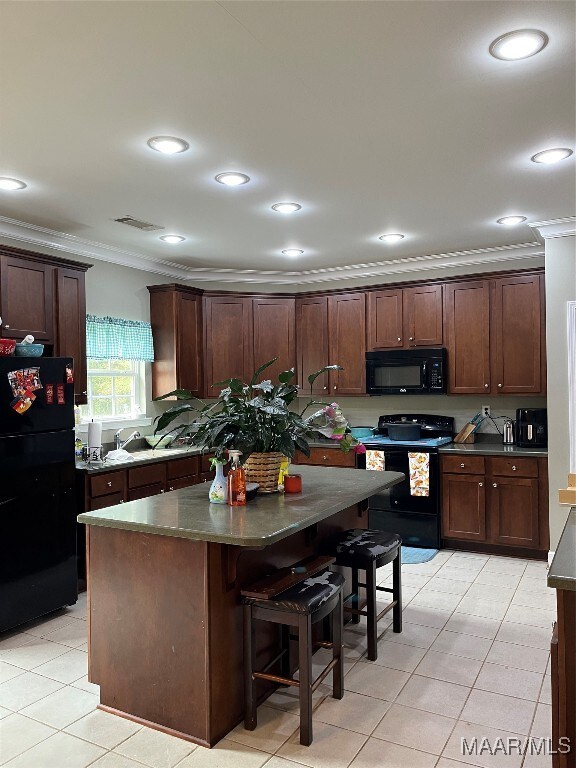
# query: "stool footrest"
[263,675]
[378,588]
[276,678]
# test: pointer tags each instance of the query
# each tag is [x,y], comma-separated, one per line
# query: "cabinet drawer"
[106,483]
[329,457]
[182,482]
[205,465]
[143,491]
[182,467]
[510,467]
[110,500]
[468,465]
[147,475]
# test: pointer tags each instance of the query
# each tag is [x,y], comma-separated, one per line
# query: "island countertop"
[562,572]
[187,513]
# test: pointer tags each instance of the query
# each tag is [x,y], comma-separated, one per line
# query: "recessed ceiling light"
[520,44]
[511,221]
[549,156]
[286,207]
[292,252]
[391,237]
[168,145]
[173,239]
[11,184]
[232,178]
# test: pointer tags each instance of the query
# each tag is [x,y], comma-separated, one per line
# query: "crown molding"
[33,235]
[546,230]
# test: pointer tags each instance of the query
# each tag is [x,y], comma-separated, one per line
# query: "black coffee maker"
[531,428]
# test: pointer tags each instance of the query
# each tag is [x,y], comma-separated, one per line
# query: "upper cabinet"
[347,343]
[467,321]
[312,342]
[228,340]
[274,334]
[71,326]
[405,317]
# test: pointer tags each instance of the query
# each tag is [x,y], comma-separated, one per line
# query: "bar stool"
[317,594]
[368,550]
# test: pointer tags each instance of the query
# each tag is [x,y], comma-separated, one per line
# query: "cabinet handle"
[162,491]
[85,392]
[481,485]
[513,468]
[462,465]
[485,386]
[500,386]
[324,458]
[399,339]
[109,483]
[171,488]
[6,325]
[121,501]
[411,338]
[334,386]
[325,387]
[494,485]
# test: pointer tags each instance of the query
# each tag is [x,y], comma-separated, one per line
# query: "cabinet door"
[513,511]
[274,335]
[385,325]
[423,316]
[110,500]
[347,343]
[189,341]
[312,342]
[227,340]
[71,326]
[26,296]
[145,491]
[467,318]
[463,507]
[516,326]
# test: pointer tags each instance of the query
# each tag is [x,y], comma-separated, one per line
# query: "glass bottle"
[217,493]
[236,481]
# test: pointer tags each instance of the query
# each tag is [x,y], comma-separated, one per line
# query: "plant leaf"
[286,376]
[179,394]
[313,376]
[259,370]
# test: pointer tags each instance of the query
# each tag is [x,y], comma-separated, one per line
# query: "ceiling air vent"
[132,222]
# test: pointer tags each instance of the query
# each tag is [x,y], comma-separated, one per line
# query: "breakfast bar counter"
[164,580]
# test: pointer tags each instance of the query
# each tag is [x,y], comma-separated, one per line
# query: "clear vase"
[218,491]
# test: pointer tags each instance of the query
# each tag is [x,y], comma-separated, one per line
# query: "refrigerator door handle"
[7,501]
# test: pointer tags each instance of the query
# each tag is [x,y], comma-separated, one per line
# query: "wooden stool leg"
[397,591]
[305,664]
[372,612]
[356,599]
[285,643]
[250,716]
[337,623]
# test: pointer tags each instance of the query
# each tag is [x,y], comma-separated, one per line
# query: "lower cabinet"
[495,501]
[327,457]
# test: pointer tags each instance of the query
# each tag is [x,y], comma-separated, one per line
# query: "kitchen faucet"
[118,444]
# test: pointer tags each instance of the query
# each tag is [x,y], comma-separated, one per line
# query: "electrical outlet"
[485,410]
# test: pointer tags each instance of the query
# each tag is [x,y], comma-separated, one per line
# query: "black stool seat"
[360,548]
[306,597]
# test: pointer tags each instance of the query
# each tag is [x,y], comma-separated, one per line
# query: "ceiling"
[375,116]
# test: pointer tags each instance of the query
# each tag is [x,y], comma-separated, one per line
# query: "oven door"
[396,377]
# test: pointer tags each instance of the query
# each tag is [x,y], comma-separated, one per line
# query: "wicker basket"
[264,469]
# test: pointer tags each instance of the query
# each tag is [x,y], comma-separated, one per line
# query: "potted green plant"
[255,418]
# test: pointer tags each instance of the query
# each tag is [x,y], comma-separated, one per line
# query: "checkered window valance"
[112,338]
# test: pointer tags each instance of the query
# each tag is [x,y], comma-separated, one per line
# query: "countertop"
[269,518]
[492,449]
[562,571]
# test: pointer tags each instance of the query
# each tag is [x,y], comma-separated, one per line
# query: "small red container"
[7,347]
[292,483]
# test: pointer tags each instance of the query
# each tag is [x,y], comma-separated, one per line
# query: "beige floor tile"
[63,707]
[58,751]
[415,728]
[443,601]
[86,686]
[226,754]
[518,656]
[10,640]
[506,564]
[452,669]
[103,729]
[535,760]
[450,586]
[466,624]
[542,725]
[154,748]
[280,762]
[545,696]
[77,611]
[412,634]
[469,557]
[536,570]
[331,748]
[5,713]
[72,635]
[509,681]
[354,712]
[288,699]
[491,579]
[534,617]
[523,634]
[36,651]
[376,753]
[449,571]
[8,671]
[114,760]
[426,617]
[455,749]
[444,762]
[399,656]
[44,626]
[18,733]
[495,710]
[488,593]
[67,668]
[470,646]
[544,600]
[274,727]
[378,682]
[421,569]
[535,584]
[26,689]
[409,580]
[434,696]
[489,609]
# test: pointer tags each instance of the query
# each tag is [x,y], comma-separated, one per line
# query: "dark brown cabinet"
[274,328]
[467,323]
[176,319]
[326,457]
[312,342]
[228,340]
[463,507]
[347,343]
[405,317]
[27,298]
[513,511]
[71,326]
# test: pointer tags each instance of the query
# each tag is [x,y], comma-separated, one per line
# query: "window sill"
[138,421]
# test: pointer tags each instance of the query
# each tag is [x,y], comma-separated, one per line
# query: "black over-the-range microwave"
[406,372]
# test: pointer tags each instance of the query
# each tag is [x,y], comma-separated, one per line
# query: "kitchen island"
[164,581]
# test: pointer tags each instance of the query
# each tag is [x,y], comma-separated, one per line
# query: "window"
[115,390]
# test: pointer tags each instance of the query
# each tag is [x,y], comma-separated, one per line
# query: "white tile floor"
[472,661]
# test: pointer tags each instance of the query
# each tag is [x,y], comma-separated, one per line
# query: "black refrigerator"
[38,570]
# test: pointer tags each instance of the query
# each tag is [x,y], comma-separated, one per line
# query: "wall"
[560,288]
